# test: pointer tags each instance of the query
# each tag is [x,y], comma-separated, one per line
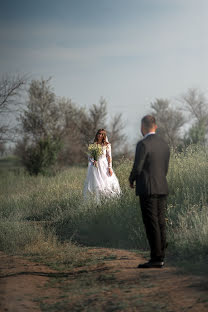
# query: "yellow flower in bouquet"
[95,151]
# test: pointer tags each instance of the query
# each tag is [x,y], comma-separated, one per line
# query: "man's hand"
[131,185]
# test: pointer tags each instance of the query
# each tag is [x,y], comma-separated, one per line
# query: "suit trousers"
[153,209]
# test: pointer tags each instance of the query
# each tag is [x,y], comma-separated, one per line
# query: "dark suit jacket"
[151,166]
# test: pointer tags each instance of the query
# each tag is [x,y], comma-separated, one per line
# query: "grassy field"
[46,216]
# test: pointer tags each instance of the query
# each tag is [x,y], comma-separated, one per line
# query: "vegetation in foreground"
[44,216]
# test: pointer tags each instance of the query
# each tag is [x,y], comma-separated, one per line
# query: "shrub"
[39,157]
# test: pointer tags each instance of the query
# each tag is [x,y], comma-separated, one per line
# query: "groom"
[149,171]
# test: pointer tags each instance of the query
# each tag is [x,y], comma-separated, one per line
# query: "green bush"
[39,157]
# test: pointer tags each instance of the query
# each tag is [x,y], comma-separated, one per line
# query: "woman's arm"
[109,159]
[91,161]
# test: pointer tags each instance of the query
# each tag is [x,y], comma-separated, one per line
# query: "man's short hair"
[149,121]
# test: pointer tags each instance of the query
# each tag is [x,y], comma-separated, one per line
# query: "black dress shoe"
[151,264]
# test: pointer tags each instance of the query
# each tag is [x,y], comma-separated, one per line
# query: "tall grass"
[58,201]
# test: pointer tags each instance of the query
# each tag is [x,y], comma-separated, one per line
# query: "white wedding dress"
[99,183]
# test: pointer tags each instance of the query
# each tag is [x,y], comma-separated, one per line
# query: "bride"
[101,180]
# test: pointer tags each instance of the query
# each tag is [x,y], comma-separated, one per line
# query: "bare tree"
[96,119]
[97,115]
[71,117]
[80,127]
[116,134]
[169,121]
[11,88]
[195,103]
[93,120]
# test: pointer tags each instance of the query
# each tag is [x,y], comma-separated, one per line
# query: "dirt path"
[112,284]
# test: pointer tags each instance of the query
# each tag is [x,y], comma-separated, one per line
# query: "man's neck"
[149,133]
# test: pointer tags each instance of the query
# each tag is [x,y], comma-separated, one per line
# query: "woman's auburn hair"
[104,136]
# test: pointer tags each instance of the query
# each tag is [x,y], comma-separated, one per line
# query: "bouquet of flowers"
[95,151]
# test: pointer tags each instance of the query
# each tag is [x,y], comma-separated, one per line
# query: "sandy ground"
[114,284]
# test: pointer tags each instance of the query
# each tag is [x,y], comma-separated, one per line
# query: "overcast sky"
[128,51]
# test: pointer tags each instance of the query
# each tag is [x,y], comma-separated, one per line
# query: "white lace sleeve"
[109,155]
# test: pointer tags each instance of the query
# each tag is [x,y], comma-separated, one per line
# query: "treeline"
[53,129]
[190,112]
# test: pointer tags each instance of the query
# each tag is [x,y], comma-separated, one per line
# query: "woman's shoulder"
[108,146]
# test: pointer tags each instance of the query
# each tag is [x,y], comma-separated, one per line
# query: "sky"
[129,52]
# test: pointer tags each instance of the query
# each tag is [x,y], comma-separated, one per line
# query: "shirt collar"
[147,134]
